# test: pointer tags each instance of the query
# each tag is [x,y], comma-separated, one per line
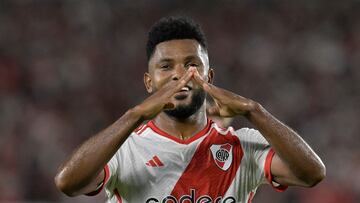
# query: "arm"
[294,163]
[83,172]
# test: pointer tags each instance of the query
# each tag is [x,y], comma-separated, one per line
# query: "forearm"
[289,146]
[90,158]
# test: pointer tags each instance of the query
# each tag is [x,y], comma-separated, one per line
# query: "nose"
[179,71]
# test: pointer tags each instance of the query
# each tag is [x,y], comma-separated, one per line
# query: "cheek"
[160,79]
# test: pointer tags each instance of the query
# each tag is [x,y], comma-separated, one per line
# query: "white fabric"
[137,182]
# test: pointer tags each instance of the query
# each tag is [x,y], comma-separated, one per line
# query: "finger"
[198,79]
[169,105]
[184,79]
[209,88]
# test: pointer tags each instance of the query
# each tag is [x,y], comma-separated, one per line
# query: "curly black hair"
[169,28]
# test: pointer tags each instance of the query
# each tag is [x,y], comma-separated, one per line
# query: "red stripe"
[251,196]
[106,178]
[118,197]
[157,161]
[138,128]
[107,173]
[151,163]
[202,173]
[142,130]
[268,175]
[203,132]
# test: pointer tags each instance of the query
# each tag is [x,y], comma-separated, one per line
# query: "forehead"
[178,49]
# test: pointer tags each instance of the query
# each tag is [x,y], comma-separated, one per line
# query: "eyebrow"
[166,60]
[192,57]
[187,58]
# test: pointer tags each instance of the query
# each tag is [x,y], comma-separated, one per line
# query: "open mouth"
[185,89]
[183,93]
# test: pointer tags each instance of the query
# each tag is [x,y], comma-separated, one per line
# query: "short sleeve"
[112,166]
[258,155]
[110,171]
[268,175]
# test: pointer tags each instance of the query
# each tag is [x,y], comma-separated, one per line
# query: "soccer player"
[165,149]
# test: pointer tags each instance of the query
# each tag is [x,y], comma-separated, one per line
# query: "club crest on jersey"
[222,155]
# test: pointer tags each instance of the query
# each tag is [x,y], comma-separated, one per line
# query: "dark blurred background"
[69,68]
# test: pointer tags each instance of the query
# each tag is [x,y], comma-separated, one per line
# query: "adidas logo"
[154,162]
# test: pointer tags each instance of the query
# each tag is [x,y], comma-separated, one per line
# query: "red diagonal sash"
[203,175]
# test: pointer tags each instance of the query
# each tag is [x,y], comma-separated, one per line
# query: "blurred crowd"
[70,68]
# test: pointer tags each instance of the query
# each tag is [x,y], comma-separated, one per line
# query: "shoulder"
[140,129]
[250,135]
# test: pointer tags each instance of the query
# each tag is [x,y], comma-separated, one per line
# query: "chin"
[183,103]
[187,106]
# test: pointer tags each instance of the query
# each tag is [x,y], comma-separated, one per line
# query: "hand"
[161,99]
[227,104]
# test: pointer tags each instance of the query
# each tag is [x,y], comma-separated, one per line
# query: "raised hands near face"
[227,104]
[162,98]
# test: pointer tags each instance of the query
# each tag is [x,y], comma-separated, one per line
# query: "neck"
[182,128]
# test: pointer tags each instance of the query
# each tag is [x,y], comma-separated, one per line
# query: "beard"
[185,111]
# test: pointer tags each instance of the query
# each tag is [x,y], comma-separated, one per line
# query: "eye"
[192,64]
[165,67]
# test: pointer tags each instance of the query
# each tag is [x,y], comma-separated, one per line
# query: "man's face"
[170,61]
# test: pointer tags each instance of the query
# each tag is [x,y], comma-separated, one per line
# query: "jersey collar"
[201,133]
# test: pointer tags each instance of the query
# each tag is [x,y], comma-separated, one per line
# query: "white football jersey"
[215,165]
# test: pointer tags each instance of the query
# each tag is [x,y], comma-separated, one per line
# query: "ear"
[210,76]
[148,82]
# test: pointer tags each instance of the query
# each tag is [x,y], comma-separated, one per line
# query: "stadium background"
[70,68]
